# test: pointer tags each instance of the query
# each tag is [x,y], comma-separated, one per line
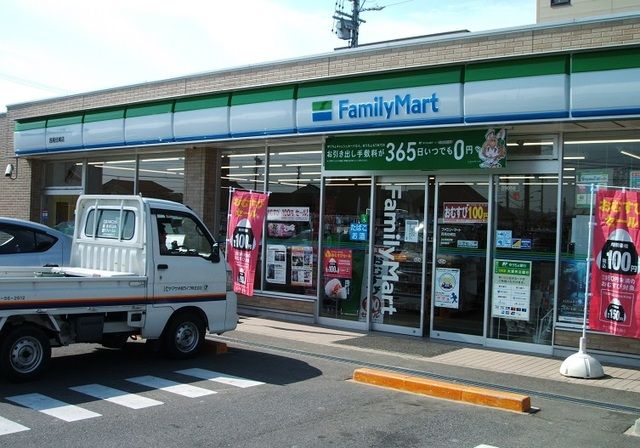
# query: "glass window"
[598,159]
[180,235]
[240,169]
[345,248]
[63,174]
[524,258]
[162,176]
[291,238]
[112,224]
[15,239]
[113,176]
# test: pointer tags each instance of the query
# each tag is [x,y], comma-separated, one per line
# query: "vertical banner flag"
[614,306]
[246,219]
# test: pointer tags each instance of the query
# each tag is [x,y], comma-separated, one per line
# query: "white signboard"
[511,289]
[288,214]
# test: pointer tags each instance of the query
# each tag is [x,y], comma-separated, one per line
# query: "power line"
[29,83]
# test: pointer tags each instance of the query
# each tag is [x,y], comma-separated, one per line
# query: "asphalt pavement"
[535,375]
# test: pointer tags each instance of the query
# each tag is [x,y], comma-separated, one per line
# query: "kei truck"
[139,267]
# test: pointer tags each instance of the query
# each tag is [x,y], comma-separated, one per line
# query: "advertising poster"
[465,212]
[573,275]
[511,289]
[614,307]
[246,218]
[276,264]
[447,288]
[302,265]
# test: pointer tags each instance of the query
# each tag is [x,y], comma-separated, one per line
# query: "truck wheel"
[25,353]
[184,335]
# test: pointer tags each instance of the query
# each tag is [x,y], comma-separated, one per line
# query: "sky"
[53,48]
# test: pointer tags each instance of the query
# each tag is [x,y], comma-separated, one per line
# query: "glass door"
[460,255]
[401,261]
[524,258]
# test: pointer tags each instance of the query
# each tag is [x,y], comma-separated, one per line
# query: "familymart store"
[447,202]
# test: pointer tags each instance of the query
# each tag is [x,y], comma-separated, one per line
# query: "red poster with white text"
[244,230]
[614,306]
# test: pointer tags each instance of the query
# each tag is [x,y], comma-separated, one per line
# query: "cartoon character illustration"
[493,150]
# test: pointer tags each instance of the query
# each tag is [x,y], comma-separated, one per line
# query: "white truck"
[139,267]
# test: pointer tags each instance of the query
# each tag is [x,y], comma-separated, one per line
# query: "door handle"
[163,266]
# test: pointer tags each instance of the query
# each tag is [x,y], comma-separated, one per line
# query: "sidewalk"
[539,367]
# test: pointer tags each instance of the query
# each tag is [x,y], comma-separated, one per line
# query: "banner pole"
[226,240]
[582,365]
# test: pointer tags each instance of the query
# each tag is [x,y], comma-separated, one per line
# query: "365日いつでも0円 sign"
[453,150]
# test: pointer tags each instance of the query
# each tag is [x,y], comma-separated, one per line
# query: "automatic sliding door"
[460,259]
[399,257]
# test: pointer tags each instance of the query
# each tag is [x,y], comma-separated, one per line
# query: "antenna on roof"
[346,25]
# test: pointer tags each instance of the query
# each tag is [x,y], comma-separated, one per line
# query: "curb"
[440,389]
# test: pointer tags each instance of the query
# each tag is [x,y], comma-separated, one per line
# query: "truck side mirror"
[215,253]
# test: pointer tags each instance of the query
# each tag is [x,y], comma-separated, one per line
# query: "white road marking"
[185,390]
[486,446]
[220,377]
[116,396]
[9,427]
[53,407]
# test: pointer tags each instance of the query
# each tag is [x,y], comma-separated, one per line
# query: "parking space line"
[185,390]
[54,408]
[220,377]
[116,396]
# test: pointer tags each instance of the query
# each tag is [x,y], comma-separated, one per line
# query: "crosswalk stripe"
[219,377]
[9,427]
[53,407]
[185,390]
[116,396]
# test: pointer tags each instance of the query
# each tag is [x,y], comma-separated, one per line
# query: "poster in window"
[447,288]
[302,265]
[511,289]
[276,266]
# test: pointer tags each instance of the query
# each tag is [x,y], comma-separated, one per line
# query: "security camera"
[9,170]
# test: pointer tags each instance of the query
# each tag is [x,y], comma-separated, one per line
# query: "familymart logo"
[385,108]
[322,110]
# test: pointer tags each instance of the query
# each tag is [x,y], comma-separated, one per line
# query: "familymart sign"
[452,150]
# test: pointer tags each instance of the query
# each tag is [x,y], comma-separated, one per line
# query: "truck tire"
[25,353]
[184,335]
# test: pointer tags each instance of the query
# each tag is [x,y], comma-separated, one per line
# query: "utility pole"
[347,25]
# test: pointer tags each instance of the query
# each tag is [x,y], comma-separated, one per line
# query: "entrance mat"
[400,344]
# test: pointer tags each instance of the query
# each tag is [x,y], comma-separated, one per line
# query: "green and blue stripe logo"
[322,110]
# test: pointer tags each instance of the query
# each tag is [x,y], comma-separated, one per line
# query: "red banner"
[244,230]
[615,307]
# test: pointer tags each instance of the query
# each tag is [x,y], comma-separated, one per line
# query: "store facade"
[446,199]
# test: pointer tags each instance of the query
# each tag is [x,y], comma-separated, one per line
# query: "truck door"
[184,270]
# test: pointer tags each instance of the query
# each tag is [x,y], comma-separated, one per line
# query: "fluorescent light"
[164,159]
[548,177]
[303,164]
[635,156]
[258,154]
[253,166]
[175,169]
[573,157]
[586,142]
[568,169]
[298,152]
[228,167]
[517,177]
